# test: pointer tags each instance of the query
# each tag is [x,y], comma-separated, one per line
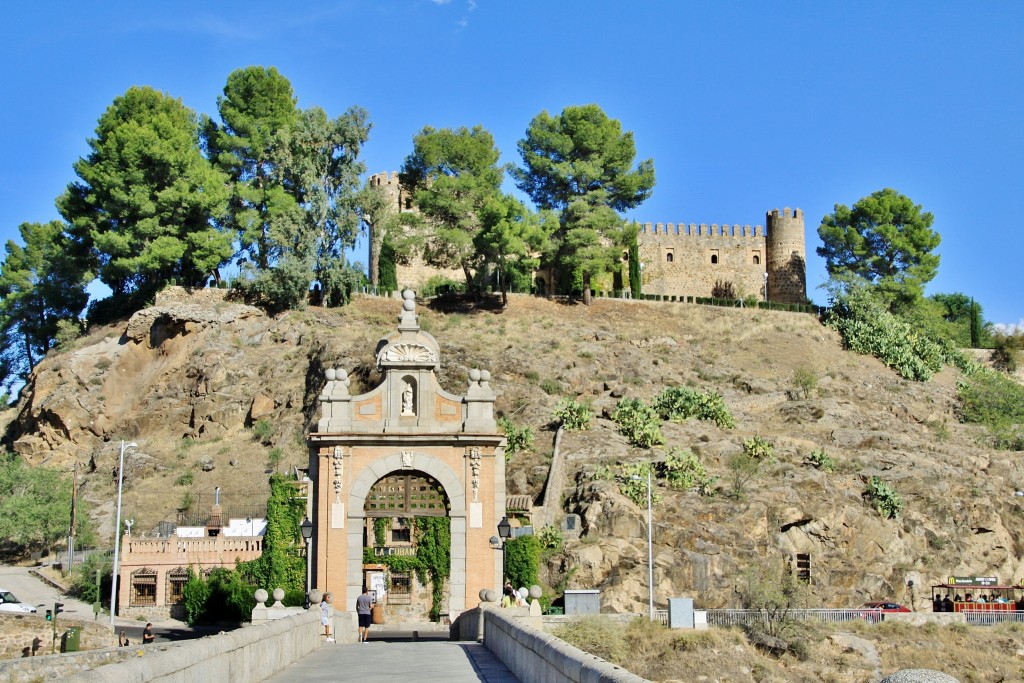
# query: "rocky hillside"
[218,394]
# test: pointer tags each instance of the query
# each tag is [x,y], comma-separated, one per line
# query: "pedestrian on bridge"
[325,616]
[364,610]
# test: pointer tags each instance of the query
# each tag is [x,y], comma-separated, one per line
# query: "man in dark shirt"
[364,610]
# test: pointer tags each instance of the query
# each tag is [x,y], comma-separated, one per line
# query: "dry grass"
[971,654]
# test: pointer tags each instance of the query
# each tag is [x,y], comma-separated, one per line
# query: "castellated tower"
[787,257]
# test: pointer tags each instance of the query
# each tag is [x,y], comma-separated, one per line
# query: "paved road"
[380,661]
[30,589]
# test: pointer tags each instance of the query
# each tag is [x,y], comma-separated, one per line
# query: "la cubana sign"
[981,581]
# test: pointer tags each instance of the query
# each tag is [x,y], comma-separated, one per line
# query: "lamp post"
[307,535]
[117,530]
[650,548]
[504,531]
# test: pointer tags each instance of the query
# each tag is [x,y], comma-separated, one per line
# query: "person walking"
[364,611]
[325,616]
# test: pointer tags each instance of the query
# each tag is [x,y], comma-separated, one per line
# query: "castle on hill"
[680,260]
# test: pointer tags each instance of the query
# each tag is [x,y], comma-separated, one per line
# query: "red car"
[883,607]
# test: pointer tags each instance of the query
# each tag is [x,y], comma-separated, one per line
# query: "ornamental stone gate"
[364,445]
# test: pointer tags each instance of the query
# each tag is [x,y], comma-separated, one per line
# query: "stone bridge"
[486,643]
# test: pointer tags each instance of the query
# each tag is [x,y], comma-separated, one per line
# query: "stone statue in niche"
[407,399]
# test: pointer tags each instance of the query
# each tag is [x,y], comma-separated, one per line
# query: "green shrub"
[678,404]
[759,449]
[884,498]
[550,538]
[551,387]
[992,399]
[805,380]
[632,481]
[638,422]
[742,469]
[439,285]
[67,332]
[185,478]
[684,471]
[263,431]
[868,327]
[574,415]
[821,460]
[517,439]
[522,561]
[275,456]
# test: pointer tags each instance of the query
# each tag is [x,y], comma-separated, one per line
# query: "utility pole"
[71,530]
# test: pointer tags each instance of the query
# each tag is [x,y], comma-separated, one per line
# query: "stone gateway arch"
[406,449]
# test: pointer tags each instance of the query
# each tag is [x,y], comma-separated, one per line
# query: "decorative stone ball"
[260,595]
[919,676]
[490,595]
[408,295]
[474,375]
[315,596]
[278,594]
[341,373]
[483,594]
[485,375]
[536,592]
[409,305]
[331,374]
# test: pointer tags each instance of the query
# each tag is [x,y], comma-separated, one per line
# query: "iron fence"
[740,617]
[979,617]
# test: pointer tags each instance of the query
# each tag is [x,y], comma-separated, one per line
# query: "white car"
[9,603]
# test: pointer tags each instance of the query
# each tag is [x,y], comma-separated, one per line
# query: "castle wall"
[689,260]
[686,260]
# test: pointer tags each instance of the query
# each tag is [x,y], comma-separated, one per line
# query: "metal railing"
[740,617]
[981,617]
[661,616]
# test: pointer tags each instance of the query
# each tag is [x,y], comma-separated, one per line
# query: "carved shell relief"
[406,353]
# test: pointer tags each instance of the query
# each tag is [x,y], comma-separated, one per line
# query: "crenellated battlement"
[384,178]
[700,230]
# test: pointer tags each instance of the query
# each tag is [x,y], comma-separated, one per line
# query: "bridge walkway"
[393,657]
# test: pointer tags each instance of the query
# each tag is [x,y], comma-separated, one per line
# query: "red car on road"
[879,608]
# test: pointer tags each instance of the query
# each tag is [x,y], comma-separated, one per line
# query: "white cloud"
[1009,328]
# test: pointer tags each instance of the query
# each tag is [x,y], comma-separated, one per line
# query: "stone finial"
[261,596]
[278,597]
[315,596]
[490,595]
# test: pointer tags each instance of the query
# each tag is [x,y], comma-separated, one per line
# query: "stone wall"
[253,653]
[532,655]
[691,264]
[31,634]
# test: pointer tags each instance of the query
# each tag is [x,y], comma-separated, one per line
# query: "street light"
[117,529]
[307,535]
[504,531]
[650,547]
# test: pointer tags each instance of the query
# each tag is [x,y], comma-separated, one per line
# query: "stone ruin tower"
[787,257]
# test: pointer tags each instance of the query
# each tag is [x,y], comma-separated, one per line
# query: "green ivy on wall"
[380,531]
[432,562]
[522,560]
[281,565]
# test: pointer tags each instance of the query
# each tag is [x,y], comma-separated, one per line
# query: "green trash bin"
[70,640]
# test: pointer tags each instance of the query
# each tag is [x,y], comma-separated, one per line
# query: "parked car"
[10,603]
[879,608]
[884,606]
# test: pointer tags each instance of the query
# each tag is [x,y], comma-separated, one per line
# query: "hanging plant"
[380,531]
[434,551]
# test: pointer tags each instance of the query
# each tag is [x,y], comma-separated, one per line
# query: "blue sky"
[744,106]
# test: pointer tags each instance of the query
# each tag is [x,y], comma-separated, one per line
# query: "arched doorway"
[407,545]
